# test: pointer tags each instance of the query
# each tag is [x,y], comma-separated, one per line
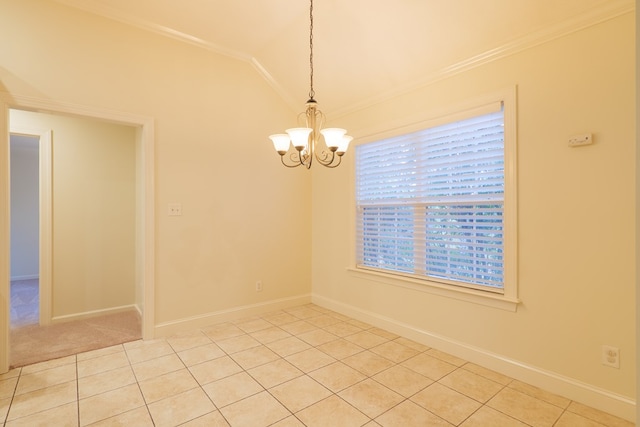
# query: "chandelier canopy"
[305,139]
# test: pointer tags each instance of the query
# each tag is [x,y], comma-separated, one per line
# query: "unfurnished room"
[318,213]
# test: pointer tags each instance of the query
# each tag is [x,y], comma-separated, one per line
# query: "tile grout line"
[366,376]
[304,374]
[144,399]
[198,384]
[265,389]
[249,332]
[484,404]
[13,395]
[307,374]
[77,389]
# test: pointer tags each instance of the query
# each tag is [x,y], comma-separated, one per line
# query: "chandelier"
[305,139]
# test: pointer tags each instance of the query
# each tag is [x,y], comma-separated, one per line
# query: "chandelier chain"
[311,91]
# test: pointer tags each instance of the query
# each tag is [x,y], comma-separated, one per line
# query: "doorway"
[143,224]
[25,229]
[92,285]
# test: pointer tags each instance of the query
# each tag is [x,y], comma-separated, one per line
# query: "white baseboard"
[182,325]
[93,313]
[596,397]
[25,277]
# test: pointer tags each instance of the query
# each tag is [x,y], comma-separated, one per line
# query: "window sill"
[464,294]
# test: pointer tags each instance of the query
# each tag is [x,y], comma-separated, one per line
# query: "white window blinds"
[430,203]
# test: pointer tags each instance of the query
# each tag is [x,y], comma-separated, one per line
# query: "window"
[432,205]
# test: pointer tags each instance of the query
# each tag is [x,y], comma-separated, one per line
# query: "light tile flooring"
[305,366]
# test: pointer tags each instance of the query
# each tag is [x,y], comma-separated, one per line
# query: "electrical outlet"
[611,356]
[259,286]
[175,209]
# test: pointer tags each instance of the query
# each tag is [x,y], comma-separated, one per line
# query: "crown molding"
[606,11]
[595,16]
[286,96]
[127,19]
[120,16]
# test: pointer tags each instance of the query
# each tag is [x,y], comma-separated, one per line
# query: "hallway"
[25,302]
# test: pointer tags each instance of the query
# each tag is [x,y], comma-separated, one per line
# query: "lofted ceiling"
[364,50]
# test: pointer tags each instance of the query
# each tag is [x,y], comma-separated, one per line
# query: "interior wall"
[94,202]
[24,207]
[244,217]
[576,206]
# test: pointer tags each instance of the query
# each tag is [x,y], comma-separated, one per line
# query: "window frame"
[508,298]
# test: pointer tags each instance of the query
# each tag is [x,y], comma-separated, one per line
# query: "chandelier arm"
[323,157]
[287,165]
[335,165]
[302,159]
[306,159]
[295,159]
[330,164]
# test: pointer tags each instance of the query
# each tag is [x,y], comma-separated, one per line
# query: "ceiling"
[364,50]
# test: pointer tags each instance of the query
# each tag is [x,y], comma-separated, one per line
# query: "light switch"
[579,140]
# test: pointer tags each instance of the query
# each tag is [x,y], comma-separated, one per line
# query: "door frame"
[145,250]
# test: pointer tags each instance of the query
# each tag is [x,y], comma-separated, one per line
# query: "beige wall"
[576,215]
[94,194]
[24,208]
[245,217]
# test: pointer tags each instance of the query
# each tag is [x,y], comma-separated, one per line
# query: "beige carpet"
[32,343]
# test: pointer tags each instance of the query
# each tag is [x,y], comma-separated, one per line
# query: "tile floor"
[305,366]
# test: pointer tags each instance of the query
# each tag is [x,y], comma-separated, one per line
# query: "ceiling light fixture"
[305,139]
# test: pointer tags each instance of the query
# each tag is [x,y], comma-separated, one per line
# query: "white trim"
[510,219]
[422,119]
[8,101]
[637,206]
[166,329]
[94,313]
[45,251]
[136,22]
[116,14]
[51,106]
[590,395]
[426,119]
[589,18]
[286,96]
[148,275]
[5,229]
[486,298]
[609,10]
